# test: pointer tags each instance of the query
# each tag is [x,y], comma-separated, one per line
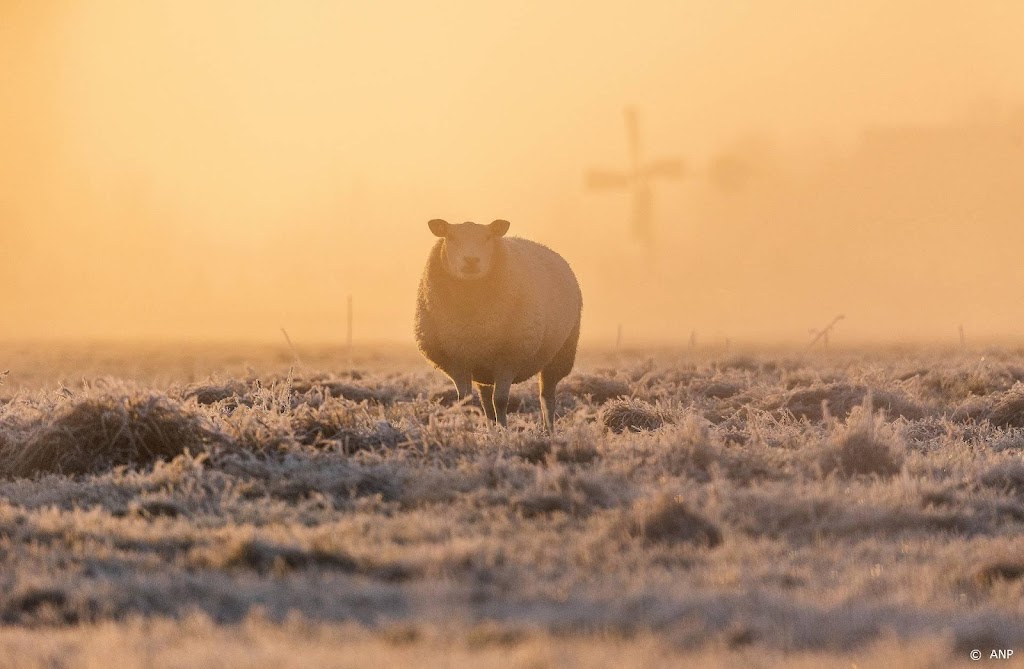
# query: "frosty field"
[220,507]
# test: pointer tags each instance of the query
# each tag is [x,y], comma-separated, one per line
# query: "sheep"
[494,310]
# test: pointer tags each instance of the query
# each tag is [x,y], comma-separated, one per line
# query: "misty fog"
[222,170]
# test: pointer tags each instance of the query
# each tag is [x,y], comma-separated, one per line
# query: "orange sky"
[223,169]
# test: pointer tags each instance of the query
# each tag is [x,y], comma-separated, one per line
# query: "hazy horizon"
[222,170]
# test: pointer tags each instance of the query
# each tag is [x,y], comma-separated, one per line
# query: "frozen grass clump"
[1008,410]
[41,606]
[266,557]
[342,424]
[718,389]
[599,388]
[104,429]
[667,519]
[1007,475]
[897,405]
[213,392]
[538,449]
[840,399]
[864,446]
[631,415]
[345,389]
[814,403]
[972,410]
[559,489]
[953,383]
[850,512]
[687,447]
[1008,569]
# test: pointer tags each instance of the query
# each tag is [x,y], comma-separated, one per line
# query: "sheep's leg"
[486,398]
[463,385]
[547,402]
[556,370]
[502,386]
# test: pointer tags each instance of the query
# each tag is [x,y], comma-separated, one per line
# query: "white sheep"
[495,310]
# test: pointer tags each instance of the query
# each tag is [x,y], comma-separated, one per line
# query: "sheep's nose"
[471,264]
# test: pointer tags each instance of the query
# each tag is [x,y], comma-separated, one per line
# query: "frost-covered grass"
[234,507]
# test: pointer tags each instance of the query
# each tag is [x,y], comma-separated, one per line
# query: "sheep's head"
[469,249]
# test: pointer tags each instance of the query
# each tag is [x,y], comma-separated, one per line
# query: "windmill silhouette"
[637,179]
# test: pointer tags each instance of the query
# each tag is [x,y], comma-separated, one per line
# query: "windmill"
[729,171]
[637,179]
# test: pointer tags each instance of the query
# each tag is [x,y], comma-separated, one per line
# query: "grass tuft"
[105,430]
[264,558]
[1007,476]
[667,519]
[840,400]
[864,446]
[1009,409]
[1009,569]
[631,415]
[600,389]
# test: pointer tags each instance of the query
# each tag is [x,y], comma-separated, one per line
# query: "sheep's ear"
[438,226]
[499,228]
